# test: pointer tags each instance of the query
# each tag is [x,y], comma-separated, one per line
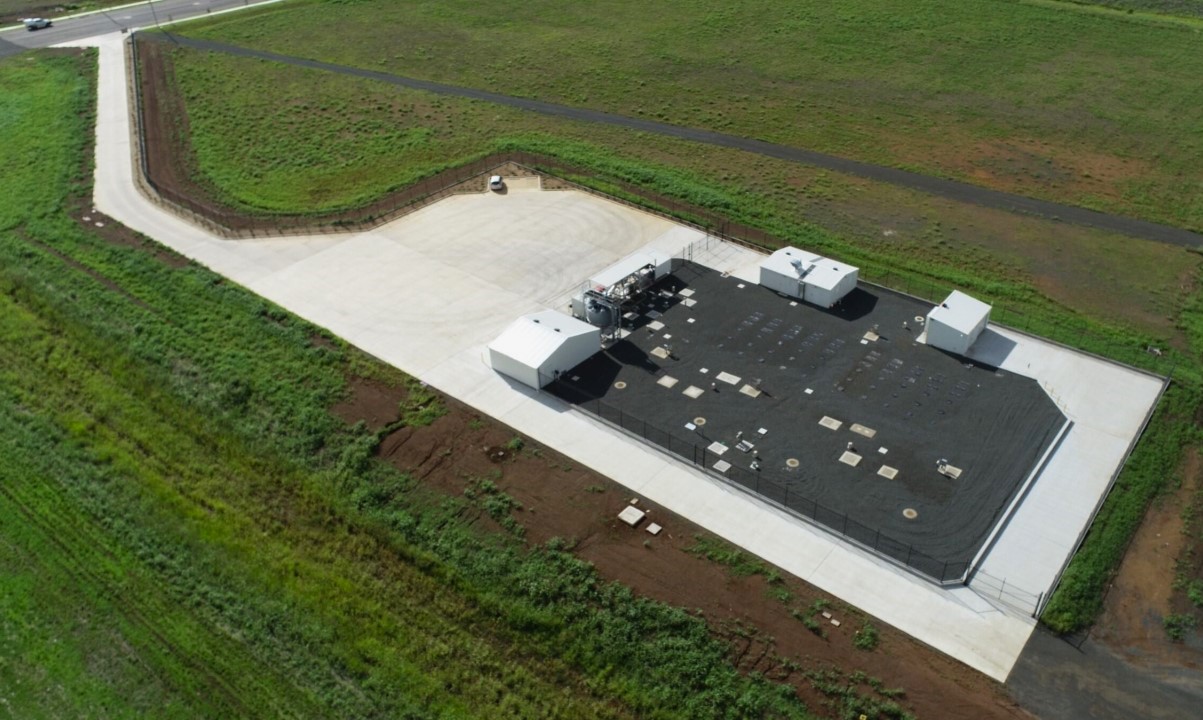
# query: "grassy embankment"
[1073,284]
[1079,107]
[188,532]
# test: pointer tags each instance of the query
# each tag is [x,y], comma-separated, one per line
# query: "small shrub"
[595,489]
[1194,593]
[1178,625]
[515,444]
[866,638]
[780,594]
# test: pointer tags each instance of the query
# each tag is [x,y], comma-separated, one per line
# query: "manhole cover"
[792,463]
[910,513]
[621,385]
[699,421]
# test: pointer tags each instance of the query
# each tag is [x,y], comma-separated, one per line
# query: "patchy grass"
[1000,93]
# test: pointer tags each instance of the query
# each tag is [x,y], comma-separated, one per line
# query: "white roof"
[960,312]
[531,339]
[781,261]
[623,268]
[828,273]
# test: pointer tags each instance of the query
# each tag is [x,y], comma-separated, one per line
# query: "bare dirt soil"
[1142,594]
[562,499]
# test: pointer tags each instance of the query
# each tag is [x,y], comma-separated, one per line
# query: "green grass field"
[253,123]
[1087,108]
[188,532]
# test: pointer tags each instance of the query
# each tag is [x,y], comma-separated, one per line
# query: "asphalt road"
[951,189]
[15,40]
[1056,680]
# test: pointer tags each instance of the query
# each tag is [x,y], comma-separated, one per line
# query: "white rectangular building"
[802,274]
[955,324]
[783,270]
[829,282]
[537,347]
[657,266]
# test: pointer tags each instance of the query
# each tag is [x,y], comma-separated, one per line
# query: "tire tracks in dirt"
[930,184]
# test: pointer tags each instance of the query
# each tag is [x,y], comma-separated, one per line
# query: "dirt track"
[952,189]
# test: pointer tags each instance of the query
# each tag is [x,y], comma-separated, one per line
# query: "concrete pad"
[850,458]
[631,515]
[655,325]
[750,391]
[717,448]
[888,472]
[660,353]
[831,423]
[667,381]
[727,378]
[722,466]
[694,392]
[862,430]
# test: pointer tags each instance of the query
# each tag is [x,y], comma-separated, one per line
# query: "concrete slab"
[631,515]
[830,423]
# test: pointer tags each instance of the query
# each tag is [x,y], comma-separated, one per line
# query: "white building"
[537,347]
[802,274]
[955,324]
[650,264]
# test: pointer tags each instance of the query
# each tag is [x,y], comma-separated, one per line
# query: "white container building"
[537,347]
[812,278]
[955,324]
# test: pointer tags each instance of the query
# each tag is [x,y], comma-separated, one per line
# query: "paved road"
[142,15]
[952,189]
[1055,680]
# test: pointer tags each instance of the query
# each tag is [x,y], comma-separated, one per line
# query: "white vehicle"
[36,23]
[496,183]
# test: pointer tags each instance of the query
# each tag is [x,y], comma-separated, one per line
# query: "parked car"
[496,183]
[36,23]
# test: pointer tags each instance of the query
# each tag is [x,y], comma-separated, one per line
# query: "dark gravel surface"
[923,405]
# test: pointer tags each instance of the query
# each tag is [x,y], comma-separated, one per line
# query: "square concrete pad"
[850,458]
[631,515]
[831,423]
[667,381]
[693,391]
